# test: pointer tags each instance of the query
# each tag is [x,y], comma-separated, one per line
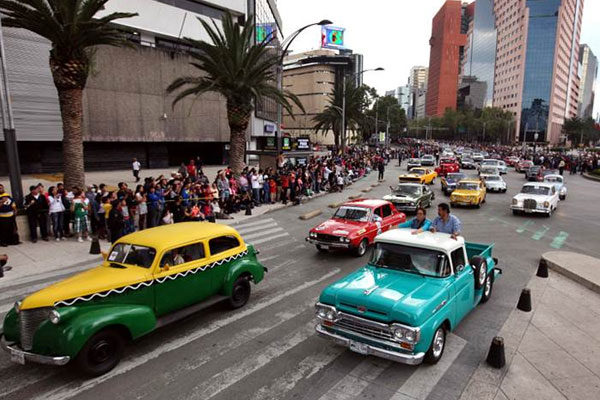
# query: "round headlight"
[54,317]
[399,334]
[341,239]
[412,203]
[330,315]
[515,201]
[18,306]
[546,204]
[322,312]
[410,336]
[563,190]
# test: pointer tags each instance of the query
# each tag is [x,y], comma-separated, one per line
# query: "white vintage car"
[559,183]
[494,183]
[536,197]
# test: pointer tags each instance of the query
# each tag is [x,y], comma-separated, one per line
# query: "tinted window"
[182,255]
[223,243]
[379,212]
[131,254]
[458,258]
[387,211]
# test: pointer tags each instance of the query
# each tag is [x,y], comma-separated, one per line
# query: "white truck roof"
[426,240]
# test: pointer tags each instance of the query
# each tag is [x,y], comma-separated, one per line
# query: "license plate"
[324,247]
[360,348]
[18,358]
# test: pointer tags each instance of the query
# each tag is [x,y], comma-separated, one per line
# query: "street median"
[311,214]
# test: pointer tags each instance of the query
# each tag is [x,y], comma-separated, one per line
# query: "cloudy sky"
[393,34]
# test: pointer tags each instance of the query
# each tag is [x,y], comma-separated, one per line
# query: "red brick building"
[448,40]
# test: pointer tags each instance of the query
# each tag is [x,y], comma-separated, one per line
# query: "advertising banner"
[332,37]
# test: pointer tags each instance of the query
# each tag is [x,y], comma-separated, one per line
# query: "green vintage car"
[415,290]
[148,279]
[407,197]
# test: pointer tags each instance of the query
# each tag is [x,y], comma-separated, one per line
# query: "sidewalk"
[552,352]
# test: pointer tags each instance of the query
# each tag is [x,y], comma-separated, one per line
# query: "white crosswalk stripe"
[261,222]
[261,234]
[357,380]
[257,228]
[264,231]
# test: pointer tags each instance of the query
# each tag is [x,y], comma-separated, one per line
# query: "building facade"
[537,58]
[403,95]
[127,112]
[589,73]
[448,40]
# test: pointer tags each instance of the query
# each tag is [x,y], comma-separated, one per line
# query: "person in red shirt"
[273,190]
[285,187]
[191,168]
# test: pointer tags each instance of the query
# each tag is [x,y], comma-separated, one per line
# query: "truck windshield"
[410,191]
[132,254]
[410,259]
[353,213]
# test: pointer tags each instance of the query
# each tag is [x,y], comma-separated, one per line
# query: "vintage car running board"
[177,315]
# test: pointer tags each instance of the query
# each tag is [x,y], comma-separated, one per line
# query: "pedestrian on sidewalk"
[136,169]
[8,225]
[57,210]
[561,167]
[36,208]
[142,206]
[381,169]
[115,221]
[80,209]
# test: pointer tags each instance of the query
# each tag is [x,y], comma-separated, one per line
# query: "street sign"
[382,136]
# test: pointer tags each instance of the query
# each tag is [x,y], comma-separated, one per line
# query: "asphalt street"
[268,349]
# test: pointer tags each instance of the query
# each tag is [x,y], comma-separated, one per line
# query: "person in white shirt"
[57,210]
[255,186]
[136,169]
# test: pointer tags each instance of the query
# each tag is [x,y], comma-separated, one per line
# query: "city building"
[537,56]
[126,110]
[403,95]
[476,87]
[420,102]
[589,72]
[417,82]
[448,40]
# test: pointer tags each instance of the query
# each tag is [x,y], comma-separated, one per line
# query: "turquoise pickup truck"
[414,290]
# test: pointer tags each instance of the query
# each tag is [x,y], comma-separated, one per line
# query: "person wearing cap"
[8,226]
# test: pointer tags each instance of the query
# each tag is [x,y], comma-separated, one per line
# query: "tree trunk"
[71,110]
[238,116]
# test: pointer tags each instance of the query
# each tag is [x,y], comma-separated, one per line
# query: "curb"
[310,215]
[367,190]
[354,197]
[336,205]
[594,286]
[591,177]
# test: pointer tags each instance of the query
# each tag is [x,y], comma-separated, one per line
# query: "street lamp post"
[285,45]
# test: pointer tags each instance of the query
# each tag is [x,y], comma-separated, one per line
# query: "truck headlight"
[54,317]
[325,312]
[406,334]
[546,204]
[17,306]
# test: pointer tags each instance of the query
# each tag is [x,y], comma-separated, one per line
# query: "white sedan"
[499,164]
[559,184]
[536,197]
[494,183]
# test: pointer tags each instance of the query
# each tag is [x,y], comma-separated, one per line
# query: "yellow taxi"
[419,175]
[469,192]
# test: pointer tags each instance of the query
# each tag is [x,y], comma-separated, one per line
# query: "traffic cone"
[524,300]
[542,271]
[95,247]
[496,357]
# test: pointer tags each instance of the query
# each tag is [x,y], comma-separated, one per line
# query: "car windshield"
[456,177]
[428,157]
[132,254]
[492,178]
[353,213]
[536,190]
[417,171]
[490,162]
[447,161]
[409,259]
[467,159]
[553,179]
[414,161]
[410,191]
[467,186]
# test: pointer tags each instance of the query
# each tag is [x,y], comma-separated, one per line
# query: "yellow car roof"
[166,236]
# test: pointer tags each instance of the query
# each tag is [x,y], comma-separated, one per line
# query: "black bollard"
[495,357]
[542,271]
[248,211]
[95,247]
[524,300]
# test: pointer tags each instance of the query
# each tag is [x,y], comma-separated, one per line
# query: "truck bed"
[478,249]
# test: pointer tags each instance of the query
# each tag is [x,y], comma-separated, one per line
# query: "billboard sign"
[265,32]
[332,37]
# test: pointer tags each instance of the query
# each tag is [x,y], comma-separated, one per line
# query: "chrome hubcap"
[438,343]
[488,286]
[362,247]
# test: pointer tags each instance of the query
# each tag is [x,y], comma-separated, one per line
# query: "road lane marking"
[66,391]
[248,238]
[424,379]
[270,238]
[540,233]
[357,380]
[257,228]
[559,240]
[232,375]
[524,227]
[261,222]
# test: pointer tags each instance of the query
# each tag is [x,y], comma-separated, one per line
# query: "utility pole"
[343,135]
[387,128]
[10,136]
[377,119]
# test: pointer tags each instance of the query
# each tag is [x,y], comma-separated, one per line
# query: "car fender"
[444,313]
[239,267]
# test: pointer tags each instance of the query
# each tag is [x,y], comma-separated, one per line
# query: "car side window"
[222,243]
[386,210]
[182,255]
[458,258]
[379,212]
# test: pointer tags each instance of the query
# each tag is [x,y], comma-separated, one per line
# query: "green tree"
[240,70]
[581,131]
[73,32]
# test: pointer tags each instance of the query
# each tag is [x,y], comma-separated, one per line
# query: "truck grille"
[530,204]
[29,321]
[327,238]
[409,179]
[365,327]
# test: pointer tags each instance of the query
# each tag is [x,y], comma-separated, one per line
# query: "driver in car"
[419,223]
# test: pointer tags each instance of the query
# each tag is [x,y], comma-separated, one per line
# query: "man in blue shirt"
[445,222]
[419,223]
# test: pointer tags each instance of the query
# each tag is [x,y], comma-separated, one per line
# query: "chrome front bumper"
[530,210]
[405,207]
[332,245]
[20,356]
[404,358]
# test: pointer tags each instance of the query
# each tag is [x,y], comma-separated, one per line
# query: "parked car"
[420,175]
[413,162]
[559,184]
[355,225]
[538,197]
[447,165]
[148,279]
[469,192]
[468,163]
[499,164]
[408,197]
[450,181]
[413,292]
[523,165]
[428,160]
[534,173]
[494,183]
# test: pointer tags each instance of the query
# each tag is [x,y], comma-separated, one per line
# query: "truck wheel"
[487,288]
[101,353]
[438,344]
[322,250]
[240,292]
[515,212]
[480,271]
[362,248]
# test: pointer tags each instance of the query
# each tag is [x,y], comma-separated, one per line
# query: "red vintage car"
[512,160]
[523,165]
[447,166]
[355,225]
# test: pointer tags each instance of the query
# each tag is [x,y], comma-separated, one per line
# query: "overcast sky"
[393,34]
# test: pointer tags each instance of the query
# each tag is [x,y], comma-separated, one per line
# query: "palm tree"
[330,119]
[240,70]
[73,32]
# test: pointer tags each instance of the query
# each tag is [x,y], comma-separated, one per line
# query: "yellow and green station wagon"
[148,279]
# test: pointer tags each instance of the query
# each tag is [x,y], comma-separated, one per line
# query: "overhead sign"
[303,143]
[265,32]
[332,37]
